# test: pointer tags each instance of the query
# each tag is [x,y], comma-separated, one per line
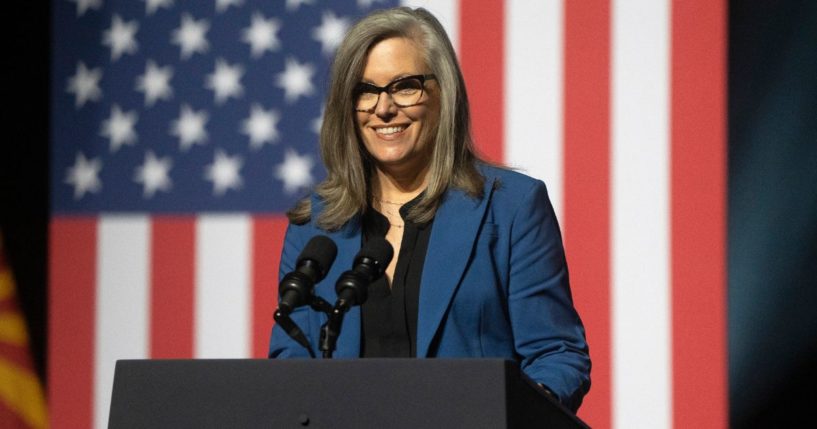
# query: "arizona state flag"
[22,404]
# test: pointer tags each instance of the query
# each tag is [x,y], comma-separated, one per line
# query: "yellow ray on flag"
[22,402]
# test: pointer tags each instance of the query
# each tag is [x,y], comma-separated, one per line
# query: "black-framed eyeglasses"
[405,92]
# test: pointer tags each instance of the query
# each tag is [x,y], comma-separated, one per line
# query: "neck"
[400,186]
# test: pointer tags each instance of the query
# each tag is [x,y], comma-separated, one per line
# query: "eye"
[406,86]
[366,89]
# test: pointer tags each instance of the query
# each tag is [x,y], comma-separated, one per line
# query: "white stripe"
[446,11]
[640,215]
[223,291]
[122,302]
[534,91]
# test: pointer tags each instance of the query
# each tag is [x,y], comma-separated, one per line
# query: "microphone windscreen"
[379,249]
[321,250]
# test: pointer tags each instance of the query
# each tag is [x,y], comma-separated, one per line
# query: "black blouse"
[389,315]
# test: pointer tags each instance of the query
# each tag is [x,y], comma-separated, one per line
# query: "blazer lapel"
[455,229]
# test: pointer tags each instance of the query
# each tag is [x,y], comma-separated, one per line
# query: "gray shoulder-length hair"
[346,190]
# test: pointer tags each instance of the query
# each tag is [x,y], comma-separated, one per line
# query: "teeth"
[389,130]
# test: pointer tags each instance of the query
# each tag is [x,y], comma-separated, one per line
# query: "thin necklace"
[390,213]
[392,202]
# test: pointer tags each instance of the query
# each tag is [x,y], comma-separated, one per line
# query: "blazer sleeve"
[281,345]
[548,333]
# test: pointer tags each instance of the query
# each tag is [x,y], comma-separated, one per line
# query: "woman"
[479,268]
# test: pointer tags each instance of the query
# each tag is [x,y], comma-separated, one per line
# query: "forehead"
[392,58]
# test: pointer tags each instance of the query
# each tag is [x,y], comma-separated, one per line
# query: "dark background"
[772,223]
[24,159]
[772,237]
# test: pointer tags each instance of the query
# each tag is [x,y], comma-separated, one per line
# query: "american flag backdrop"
[182,130]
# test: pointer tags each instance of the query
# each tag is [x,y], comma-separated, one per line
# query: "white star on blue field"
[182,107]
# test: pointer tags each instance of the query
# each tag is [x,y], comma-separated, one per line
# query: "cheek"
[360,121]
[428,127]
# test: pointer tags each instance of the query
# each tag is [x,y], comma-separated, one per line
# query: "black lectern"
[359,393]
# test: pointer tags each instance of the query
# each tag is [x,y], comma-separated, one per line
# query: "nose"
[385,107]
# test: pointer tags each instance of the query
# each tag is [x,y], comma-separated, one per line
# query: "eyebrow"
[398,77]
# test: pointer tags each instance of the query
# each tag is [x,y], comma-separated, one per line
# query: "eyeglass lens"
[404,93]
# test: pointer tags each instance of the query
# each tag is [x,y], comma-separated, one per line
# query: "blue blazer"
[494,284]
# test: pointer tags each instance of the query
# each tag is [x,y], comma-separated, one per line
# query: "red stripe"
[72,297]
[482,58]
[586,189]
[172,290]
[267,241]
[698,207]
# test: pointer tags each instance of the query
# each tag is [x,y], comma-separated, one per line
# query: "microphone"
[352,288]
[311,267]
[370,264]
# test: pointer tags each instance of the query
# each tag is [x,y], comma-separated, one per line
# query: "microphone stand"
[291,328]
[330,331]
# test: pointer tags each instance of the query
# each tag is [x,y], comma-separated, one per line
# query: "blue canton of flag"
[166,106]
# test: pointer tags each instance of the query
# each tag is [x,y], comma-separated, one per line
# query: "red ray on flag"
[22,402]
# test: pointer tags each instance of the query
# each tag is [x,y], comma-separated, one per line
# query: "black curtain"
[772,212]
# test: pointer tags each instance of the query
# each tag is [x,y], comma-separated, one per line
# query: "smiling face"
[398,138]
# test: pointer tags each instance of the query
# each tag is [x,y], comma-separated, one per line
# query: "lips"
[389,131]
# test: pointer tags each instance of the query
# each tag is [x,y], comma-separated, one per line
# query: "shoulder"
[509,184]
[310,225]
[302,216]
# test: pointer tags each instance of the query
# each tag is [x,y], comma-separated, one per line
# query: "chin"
[390,155]
[391,161]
